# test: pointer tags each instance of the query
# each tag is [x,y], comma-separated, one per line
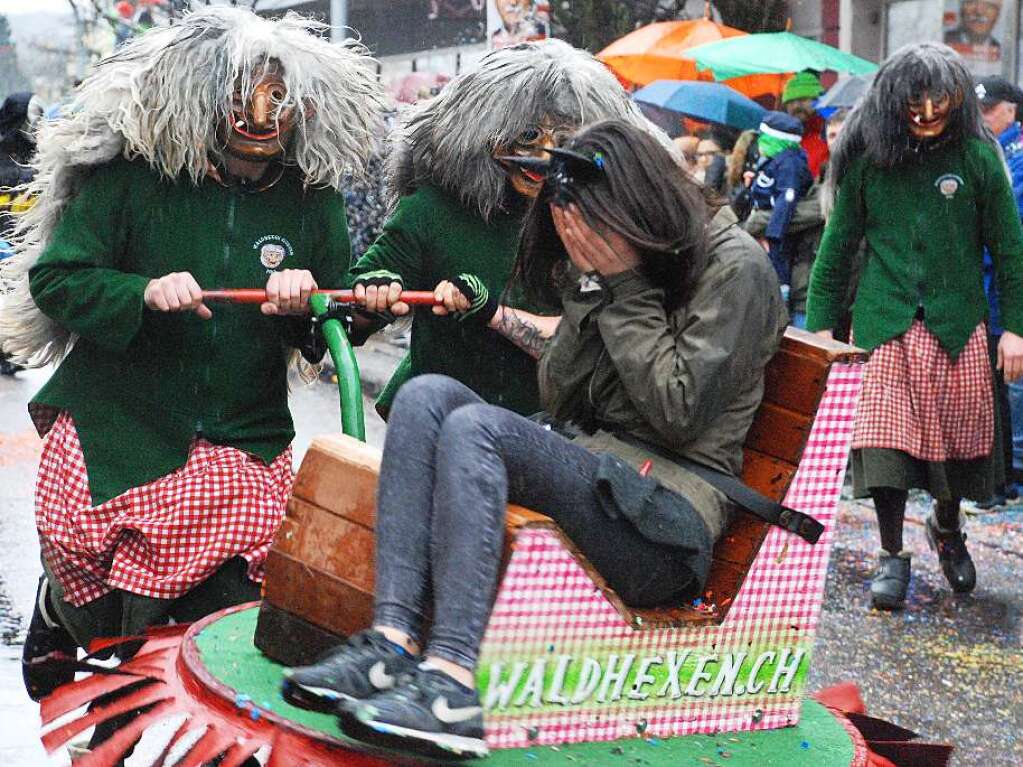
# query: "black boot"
[889,587]
[952,554]
[8,368]
[46,645]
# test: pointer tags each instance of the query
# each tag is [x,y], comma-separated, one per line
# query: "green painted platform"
[819,740]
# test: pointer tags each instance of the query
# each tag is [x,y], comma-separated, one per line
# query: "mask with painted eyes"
[262,120]
[929,114]
[533,142]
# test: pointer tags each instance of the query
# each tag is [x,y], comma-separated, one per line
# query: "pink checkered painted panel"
[560,665]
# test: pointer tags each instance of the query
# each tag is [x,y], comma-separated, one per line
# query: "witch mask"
[261,120]
[561,173]
[929,113]
[533,143]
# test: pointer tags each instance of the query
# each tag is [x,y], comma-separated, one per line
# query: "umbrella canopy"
[846,92]
[657,51]
[711,102]
[774,52]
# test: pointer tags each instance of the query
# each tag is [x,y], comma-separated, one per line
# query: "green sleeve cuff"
[576,307]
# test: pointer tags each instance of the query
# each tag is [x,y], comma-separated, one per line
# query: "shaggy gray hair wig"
[449,140]
[162,99]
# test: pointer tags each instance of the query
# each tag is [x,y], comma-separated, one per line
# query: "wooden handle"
[258,296]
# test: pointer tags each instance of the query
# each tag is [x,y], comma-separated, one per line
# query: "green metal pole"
[353,420]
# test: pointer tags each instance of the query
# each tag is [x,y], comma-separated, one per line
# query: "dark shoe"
[364,665]
[427,713]
[8,368]
[48,646]
[952,554]
[889,587]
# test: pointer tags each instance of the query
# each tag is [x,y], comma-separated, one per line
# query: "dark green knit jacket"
[432,237]
[141,384]
[926,224]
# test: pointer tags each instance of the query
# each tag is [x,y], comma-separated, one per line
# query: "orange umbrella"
[658,52]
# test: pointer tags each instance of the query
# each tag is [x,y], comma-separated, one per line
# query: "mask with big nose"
[261,121]
[532,142]
[929,113]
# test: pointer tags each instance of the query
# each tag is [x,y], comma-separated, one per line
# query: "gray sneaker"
[428,713]
[363,666]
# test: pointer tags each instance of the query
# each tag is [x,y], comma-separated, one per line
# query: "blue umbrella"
[711,102]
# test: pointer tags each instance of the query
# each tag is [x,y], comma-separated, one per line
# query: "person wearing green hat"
[783,179]
[797,99]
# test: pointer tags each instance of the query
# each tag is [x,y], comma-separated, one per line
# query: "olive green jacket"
[689,381]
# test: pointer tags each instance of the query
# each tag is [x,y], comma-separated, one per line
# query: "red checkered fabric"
[915,399]
[165,537]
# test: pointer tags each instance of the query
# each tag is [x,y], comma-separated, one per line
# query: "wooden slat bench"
[320,572]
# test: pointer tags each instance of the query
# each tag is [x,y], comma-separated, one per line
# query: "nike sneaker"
[427,713]
[366,664]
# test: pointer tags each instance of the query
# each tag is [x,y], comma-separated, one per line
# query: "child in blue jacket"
[783,178]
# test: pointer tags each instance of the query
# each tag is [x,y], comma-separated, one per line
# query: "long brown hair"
[641,194]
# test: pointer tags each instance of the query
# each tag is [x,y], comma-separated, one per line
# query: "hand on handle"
[176,292]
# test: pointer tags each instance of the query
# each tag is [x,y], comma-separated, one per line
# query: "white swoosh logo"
[452,716]
[380,678]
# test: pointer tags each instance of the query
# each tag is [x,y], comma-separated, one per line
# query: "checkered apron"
[917,400]
[165,537]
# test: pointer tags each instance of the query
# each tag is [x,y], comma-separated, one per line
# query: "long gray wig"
[449,140]
[161,99]
[878,128]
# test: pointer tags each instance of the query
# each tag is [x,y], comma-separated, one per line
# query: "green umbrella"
[773,52]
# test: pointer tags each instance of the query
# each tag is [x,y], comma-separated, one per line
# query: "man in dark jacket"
[999,100]
[18,116]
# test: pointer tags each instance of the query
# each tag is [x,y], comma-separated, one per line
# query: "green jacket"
[926,225]
[141,384]
[690,381]
[431,237]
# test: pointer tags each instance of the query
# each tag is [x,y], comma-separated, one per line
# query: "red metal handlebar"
[258,296]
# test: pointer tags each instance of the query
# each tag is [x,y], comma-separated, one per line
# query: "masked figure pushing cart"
[209,154]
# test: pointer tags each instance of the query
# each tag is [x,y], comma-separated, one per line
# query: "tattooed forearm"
[528,332]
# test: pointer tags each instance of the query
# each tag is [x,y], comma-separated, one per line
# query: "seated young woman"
[669,315]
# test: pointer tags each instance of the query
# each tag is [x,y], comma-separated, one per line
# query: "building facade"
[406,36]
[986,33]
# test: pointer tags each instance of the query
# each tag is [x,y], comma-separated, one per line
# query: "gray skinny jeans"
[451,464]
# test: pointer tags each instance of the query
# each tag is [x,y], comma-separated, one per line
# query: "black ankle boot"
[952,554]
[47,644]
[890,584]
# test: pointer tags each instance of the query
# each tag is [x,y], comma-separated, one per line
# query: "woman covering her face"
[669,317]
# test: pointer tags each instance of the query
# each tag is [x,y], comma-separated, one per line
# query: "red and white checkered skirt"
[165,537]
[917,400]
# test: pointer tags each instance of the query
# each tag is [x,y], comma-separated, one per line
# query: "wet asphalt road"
[949,667]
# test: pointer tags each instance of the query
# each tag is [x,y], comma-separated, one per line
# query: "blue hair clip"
[598,160]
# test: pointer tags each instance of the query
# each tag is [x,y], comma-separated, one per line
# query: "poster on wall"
[516,21]
[978,31]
